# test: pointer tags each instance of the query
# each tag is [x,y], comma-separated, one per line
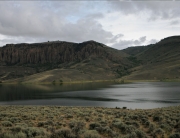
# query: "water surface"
[134,95]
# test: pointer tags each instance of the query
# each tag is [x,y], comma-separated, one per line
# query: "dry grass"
[88,122]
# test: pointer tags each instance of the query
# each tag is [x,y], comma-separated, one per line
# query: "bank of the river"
[119,81]
[88,122]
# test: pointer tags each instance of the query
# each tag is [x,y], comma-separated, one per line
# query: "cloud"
[114,23]
[176,22]
[152,9]
[126,43]
[37,21]
[153,41]
[115,38]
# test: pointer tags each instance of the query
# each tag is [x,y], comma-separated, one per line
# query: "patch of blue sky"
[86,8]
[72,18]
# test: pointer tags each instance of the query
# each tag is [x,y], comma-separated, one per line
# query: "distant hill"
[134,50]
[60,61]
[160,61]
[89,60]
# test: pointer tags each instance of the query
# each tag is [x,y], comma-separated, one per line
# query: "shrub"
[166,127]
[147,124]
[34,131]
[91,134]
[41,124]
[131,135]
[158,132]
[94,125]
[21,125]
[15,119]
[76,126]
[135,124]
[16,129]
[6,123]
[157,118]
[69,116]
[124,128]
[175,135]
[140,134]
[63,133]
[151,127]
[61,82]
[10,135]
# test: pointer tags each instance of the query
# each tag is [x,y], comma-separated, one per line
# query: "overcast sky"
[116,23]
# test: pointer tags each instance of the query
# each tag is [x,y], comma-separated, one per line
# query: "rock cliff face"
[54,52]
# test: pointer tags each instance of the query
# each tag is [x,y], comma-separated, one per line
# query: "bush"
[15,119]
[34,131]
[6,123]
[91,134]
[140,134]
[135,124]
[157,118]
[94,125]
[151,127]
[158,132]
[124,128]
[41,124]
[76,126]
[166,127]
[175,135]
[63,133]
[10,135]
[16,129]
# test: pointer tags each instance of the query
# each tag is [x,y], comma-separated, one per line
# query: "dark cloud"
[153,9]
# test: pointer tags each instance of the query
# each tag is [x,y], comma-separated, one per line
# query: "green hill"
[66,61]
[160,61]
[89,61]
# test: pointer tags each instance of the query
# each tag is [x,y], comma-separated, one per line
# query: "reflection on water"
[134,95]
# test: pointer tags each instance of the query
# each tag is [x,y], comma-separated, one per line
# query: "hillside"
[58,60]
[135,50]
[160,61]
[89,61]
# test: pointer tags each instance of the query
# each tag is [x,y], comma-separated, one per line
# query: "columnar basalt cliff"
[69,61]
[54,52]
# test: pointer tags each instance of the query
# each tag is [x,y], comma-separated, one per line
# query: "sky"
[116,23]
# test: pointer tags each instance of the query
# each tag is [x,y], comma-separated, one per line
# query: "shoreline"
[118,81]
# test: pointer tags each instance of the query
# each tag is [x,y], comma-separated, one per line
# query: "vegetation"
[159,61]
[90,61]
[88,122]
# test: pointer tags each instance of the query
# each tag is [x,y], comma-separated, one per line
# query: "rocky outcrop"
[54,52]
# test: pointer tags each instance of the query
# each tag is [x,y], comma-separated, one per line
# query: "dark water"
[135,95]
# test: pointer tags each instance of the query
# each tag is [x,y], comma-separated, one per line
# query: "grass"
[88,122]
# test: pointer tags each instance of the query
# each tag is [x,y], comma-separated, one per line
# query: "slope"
[160,61]
[54,61]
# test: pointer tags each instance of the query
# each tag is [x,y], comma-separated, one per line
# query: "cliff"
[54,52]
[72,61]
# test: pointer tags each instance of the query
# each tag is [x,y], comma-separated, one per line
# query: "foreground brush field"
[88,122]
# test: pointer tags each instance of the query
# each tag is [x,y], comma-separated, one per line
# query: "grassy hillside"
[55,61]
[133,51]
[90,61]
[167,50]
[86,70]
[160,61]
